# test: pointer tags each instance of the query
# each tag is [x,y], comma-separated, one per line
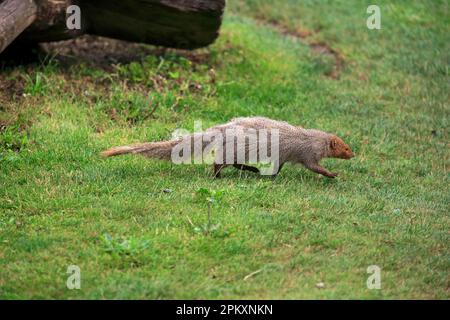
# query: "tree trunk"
[186,24]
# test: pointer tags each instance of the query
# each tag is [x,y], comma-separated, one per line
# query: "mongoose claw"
[333,174]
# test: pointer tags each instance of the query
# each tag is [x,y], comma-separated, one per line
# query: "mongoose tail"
[161,150]
[117,151]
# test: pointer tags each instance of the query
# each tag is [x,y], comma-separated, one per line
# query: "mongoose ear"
[333,143]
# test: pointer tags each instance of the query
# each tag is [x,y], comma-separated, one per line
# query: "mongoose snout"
[339,149]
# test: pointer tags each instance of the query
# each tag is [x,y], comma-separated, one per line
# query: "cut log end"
[15,17]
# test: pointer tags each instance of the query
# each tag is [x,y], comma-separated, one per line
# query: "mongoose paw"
[333,174]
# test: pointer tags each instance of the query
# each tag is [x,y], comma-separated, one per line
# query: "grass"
[131,225]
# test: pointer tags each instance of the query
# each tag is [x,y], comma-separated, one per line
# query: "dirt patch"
[10,89]
[297,33]
[104,52]
[93,50]
[320,48]
[317,48]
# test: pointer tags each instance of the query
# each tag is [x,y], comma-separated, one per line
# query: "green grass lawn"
[311,63]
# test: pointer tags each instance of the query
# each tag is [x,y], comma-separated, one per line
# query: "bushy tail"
[160,150]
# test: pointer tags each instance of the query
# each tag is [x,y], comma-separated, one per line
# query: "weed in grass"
[12,138]
[209,197]
[36,84]
[124,246]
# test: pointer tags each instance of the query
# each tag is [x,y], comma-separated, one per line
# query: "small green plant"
[118,247]
[12,138]
[36,85]
[210,197]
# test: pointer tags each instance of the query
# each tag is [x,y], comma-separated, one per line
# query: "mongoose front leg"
[321,170]
[279,169]
[245,167]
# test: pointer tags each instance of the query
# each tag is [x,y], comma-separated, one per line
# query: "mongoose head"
[339,149]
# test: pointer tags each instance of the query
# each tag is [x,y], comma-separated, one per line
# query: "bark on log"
[183,24]
[186,24]
[50,24]
[15,16]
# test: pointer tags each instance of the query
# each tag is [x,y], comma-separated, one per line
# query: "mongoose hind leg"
[217,168]
[245,167]
[321,170]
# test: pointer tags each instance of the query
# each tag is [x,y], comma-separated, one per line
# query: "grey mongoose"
[295,145]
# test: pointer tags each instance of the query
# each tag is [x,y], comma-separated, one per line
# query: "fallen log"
[185,24]
[15,16]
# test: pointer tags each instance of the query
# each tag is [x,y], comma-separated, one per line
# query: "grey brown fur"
[296,145]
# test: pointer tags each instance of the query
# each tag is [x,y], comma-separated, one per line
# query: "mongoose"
[295,145]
